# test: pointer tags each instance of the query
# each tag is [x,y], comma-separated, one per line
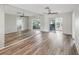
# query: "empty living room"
[39,29]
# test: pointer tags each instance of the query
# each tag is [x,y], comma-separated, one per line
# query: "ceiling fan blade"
[54,13]
[47,8]
[45,13]
[49,11]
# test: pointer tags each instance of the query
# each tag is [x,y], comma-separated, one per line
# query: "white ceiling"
[14,10]
[39,8]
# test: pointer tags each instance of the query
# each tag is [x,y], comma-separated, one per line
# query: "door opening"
[19,24]
[55,24]
[52,25]
[36,24]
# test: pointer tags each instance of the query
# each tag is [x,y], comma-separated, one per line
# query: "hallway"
[44,43]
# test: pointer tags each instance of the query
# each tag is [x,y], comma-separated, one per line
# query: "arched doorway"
[36,24]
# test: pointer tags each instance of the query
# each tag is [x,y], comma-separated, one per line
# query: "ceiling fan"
[49,11]
[21,14]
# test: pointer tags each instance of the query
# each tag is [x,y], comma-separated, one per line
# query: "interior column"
[2,23]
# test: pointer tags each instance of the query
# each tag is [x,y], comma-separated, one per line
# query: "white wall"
[25,23]
[73,24]
[30,25]
[75,28]
[29,22]
[42,23]
[44,20]
[10,23]
[11,18]
[2,22]
[67,23]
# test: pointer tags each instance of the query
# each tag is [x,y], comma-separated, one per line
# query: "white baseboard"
[67,34]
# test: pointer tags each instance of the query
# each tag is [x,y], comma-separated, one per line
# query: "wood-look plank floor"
[49,43]
[12,38]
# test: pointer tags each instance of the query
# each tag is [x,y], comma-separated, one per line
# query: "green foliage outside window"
[36,24]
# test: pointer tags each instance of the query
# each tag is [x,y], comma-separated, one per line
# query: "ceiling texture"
[40,8]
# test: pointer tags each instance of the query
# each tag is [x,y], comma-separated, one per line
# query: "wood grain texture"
[14,37]
[44,43]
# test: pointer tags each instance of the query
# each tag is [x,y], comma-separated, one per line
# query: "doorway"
[19,23]
[52,25]
[58,24]
[36,24]
[55,24]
